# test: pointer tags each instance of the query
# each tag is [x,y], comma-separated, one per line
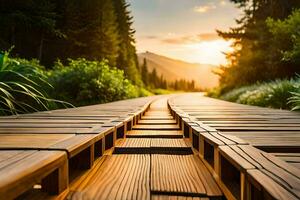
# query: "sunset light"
[209,52]
[187,31]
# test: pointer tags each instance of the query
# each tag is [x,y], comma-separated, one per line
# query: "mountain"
[176,69]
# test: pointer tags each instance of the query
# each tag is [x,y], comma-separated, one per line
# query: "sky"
[184,29]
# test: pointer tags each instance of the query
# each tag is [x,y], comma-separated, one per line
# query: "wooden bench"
[20,170]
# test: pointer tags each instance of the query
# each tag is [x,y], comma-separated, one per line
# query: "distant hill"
[176,69]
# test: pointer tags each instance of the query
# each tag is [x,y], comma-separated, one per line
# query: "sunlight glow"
[210,52]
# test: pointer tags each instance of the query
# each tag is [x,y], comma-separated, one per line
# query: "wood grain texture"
[154,133]
[166,197]
[184,175]
[156,121]
[31,140]
[152,146]
[119,177]
[273,188]
[20,170]
[156,127]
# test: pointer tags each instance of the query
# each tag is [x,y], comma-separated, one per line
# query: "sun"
[209,52]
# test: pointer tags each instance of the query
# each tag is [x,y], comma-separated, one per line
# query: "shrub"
[23,87]
[84,82]
[294,100]
[284,94]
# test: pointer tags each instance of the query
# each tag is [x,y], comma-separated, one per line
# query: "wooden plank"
[119,177]
[156,127]
[291,158]
[20,173]
[167,197]
[76,144]
[271,187]
[154,134]
[31,141]
[236,159]
[157,117]
[279,170]
[133,146]
[153,146]
[188,176]
[159,122]
[42,130]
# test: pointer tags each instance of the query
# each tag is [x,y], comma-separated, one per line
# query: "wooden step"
[157,122]
[133,146]
[119,177]
[154,134]
[182,175]
[170,146]
[153,146]
[156,127]
[157,117]
[167,197]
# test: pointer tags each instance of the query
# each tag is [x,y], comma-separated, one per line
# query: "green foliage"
[84,82]
[145,73]
[22,87]
[275,94]
[286,36]
[294,101]
[26,24]
[265,49]
[92,29]
[127,58]
[51,30]
[163,91]
[144,92]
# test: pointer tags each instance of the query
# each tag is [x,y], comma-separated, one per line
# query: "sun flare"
[210,52]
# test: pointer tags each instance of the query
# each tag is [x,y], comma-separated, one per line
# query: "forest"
[264,67]
[62,53]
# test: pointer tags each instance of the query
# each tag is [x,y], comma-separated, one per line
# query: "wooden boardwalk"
[167,147]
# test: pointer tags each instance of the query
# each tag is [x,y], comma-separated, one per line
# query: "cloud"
[151,37]
[208,36]
[204,8]
[188,39]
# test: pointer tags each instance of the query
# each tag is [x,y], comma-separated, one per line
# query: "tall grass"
[283,94]
[23,87]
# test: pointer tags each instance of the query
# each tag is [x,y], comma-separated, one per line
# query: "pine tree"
[127,58]
[255,58]
[154,78]
[145,73]
[26,25]
[92,29]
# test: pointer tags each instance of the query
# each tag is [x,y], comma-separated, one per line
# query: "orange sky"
[184,29]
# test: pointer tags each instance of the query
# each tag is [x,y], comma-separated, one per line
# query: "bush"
[23,87]
[294,100]
[84,82]
[284,94]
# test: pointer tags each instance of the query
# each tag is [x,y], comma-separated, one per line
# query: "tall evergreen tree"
[127,58]
[92,30]
[255,58]
[145,73]
[27,24]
